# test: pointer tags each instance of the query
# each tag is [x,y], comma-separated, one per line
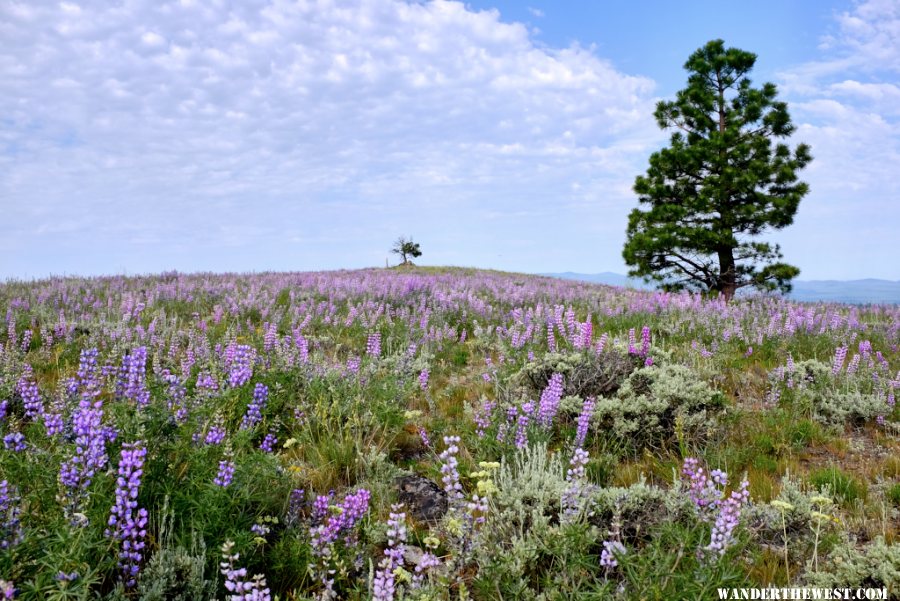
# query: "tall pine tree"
[721,182]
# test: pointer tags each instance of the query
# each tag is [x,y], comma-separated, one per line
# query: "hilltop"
[440,431]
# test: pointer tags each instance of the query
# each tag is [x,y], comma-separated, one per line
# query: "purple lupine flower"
[352,510]
[587,333]
[90,457]
[719,477]
[551,339]
[320,507]
[575,476]
[854,364]
[840,354]
[268,443]
[727,520]
[127,522]
[645,341]
[383,585]
[483,417]
[260,530]
[373,345]
[423,379]
[611,549]
[10,523]
[26,340]
[632,342]
[450,471]
[270,336]
[53,424]
[353,364]
[423,436]
[302,345]
[176,393]
[215,435]
[522,424]
[14,441]
[295,504]
[225,474]
[426,563]
[702,488]
[256,406]
[549,403]
[236,581]
[601,344]
[88,378]
[584,421]
[478,508]
[865,348]
[7,589]
[132,383]
[4,406]
[511,413]
[206,382]
[240,368]
[31,397]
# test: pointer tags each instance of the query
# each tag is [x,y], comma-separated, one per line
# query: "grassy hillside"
[436,433]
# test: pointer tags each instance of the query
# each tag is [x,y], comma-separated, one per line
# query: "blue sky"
[200,135]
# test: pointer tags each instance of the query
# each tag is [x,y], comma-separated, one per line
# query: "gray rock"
[424,500]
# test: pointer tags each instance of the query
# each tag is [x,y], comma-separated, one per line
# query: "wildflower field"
[439,434]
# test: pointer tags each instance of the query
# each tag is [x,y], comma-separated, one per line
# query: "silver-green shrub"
[654,401]
[815,391]
[875,565]
[174,573]
[585,373]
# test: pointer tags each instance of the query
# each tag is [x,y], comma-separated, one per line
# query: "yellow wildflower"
[783,505]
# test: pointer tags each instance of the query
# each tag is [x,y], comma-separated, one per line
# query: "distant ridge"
[859,292]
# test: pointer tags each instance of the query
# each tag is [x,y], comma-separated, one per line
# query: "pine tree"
[721,182]
[406,248]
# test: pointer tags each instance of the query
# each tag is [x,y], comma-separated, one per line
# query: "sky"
[202,135]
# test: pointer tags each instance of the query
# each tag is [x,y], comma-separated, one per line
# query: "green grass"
[839,483]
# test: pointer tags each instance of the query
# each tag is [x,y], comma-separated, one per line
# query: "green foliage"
[841,484]
[893,494]
[720,183]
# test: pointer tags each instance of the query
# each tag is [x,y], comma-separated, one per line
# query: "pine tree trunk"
[727,284]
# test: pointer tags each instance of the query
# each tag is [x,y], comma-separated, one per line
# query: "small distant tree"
[406,248]
[720,183]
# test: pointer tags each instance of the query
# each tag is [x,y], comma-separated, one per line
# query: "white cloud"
[847,107]
[166,108]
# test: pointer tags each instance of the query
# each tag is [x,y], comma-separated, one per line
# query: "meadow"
[430,433]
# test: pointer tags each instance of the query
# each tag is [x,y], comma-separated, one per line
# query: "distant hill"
[850,291]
